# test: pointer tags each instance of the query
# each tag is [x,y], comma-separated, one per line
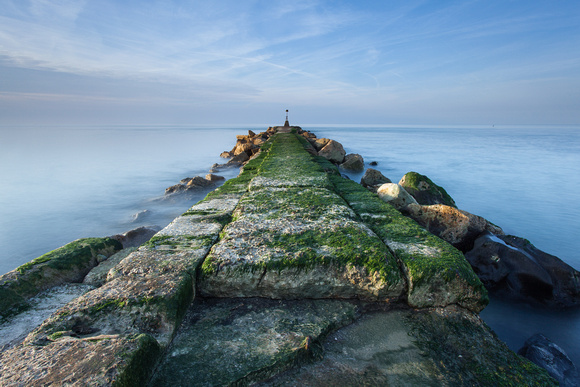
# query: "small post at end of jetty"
[286,123]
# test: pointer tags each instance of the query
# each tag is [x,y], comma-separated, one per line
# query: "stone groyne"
[288,274]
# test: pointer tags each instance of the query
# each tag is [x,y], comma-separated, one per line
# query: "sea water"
[61,184]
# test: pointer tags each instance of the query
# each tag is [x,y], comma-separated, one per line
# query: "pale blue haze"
[242,62]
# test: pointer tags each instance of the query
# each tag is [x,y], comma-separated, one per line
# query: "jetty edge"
[287,274]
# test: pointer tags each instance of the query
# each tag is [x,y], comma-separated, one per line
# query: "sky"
[71,62]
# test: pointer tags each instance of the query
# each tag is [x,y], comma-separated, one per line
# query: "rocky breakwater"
[288,274]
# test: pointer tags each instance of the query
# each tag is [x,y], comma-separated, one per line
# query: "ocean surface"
[59,184]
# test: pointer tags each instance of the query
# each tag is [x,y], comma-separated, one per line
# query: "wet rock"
[213,178]
[460,228]
[241,341]
[66,264]
[353,162]
[333,151]
[98,275]
[175,189]
[424,190]
[546,354]
[373,163]
[139,216]
[515,268]
[373,179]
[395,195]
[136,237]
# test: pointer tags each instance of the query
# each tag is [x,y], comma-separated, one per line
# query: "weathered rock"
[546,354]
[353,162]
[98,275]
[213,178]
[238,160]
[226,154]
[395,195]
[241,341]
[248,148]
[319,143]
[198,182]
[175,189]
[373,179]
[424,190]
[460,228]
[333,151]
[136,237]
[69,263]
[407,348]
[251,134]
[515,268]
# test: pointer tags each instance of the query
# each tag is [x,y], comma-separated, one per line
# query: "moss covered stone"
[424,190]
[66,264]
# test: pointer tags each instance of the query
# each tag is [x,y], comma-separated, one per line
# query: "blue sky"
[245,62]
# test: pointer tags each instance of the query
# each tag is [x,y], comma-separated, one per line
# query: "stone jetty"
[288,274]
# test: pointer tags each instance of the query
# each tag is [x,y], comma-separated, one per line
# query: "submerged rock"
[515,268]
[460,228]
[424,190]
[546,354]
[136,237]
[395,195]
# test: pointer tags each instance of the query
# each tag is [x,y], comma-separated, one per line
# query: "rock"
[213,178]
[373,179]
[373,163]
[139,216]
[238,160]
[136,237]
[515,268]
[319,143]
[198,182]
[353,162]
[309,135]
[175,189]
[460,228]
[98,275]
[395,195]
[545,353]
[424,190]
[247,148]
[66,264]
[251,134]
[333,151]
[226,155]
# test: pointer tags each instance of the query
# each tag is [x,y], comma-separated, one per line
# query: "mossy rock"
[69,263]
[424,190]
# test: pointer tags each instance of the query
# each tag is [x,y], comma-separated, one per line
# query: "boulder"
[424,190]
[395,195]
[213,178]
[543,352]
[251,133]
[174,189]
[198,182]
[515,268]
[98,275]
[373,179]
[333,151]
[245,147]
[460,228]
[353,162]
[238,160]
[319,143]
[373,163]
[226,154]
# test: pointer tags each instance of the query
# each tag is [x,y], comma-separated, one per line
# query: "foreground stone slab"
[434,347]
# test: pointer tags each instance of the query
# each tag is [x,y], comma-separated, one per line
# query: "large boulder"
[513,267]
[333,151]
[543,352]
[353,162]
[372,179]
[424,190]
[319,143]
[460,228]
[395,195]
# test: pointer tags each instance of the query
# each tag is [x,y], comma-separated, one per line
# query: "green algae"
[69,263]
[139,362]
[435,194]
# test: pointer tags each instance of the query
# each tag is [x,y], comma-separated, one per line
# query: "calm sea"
[60,184]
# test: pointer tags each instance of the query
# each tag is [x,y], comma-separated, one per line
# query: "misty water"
[61,184]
